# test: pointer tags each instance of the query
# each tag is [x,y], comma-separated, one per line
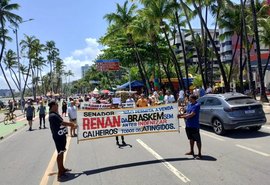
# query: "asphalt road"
[239,158]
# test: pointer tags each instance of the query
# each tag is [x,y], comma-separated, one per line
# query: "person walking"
[64,108]
[72,114]
[59,130]
[192,125]
[116,106]
[42,113]
[30,114]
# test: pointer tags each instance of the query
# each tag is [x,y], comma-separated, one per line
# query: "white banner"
[93,124]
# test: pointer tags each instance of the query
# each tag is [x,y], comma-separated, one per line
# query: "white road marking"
[212,136]
[176,172]
[252,150]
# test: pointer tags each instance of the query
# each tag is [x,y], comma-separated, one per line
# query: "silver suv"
[231,111]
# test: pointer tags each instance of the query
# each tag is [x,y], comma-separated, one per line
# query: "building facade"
[84,69]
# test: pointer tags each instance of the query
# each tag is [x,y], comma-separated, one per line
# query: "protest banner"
[95,106]
[94,124]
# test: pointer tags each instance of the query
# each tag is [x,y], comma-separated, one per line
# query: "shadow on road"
[70,176]
[244,133]
[109,168]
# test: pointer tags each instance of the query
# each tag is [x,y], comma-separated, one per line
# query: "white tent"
[95,91]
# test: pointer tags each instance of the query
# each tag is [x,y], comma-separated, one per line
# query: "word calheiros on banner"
[94,124]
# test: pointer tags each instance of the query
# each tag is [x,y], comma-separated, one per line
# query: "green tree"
[7,16]
[258,51]
[27,46]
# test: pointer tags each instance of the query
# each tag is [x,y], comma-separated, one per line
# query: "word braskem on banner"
[93,124]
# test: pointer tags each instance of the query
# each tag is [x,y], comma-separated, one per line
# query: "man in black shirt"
[59,131]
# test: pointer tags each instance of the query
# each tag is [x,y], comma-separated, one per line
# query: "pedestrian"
[201,92]
[30,114]
[116,106]
[59,131]
[142,101]
[192,125]
[11,108]
[169,98]
[72,114]
[181,99]
[64,108]
[42,113]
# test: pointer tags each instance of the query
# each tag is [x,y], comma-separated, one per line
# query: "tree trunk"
[27,75]
[164,67]
[177,68]
[226,84]
[251,84]
[266,65]
[258,50]
[186,86]
[241,60]
[1,57]
[232,61]
[194,41]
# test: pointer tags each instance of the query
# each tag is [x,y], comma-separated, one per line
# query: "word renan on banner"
[94,124]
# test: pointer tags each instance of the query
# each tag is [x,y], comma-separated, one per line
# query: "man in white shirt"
[209,90]
[130,102]
[181,97]
[72,114]
[169,98]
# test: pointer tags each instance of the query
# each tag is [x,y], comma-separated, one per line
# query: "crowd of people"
[69,108]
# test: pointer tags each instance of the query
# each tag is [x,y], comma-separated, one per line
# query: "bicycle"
[9,117]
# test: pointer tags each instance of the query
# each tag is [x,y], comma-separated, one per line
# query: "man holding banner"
[192,125]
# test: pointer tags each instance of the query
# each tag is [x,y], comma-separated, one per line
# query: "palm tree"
[10,60]
[182,41]
[122,20]
[226,83]
[195,38]
[258,51]
[265,37]
[6,16]
[144,29]
[59,71]
[52,56]
[27,45]
[157,11]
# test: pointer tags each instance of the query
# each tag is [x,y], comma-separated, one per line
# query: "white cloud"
[78,58]
[83,56]
[89,52]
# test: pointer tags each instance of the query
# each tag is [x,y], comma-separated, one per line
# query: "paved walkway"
[6,130]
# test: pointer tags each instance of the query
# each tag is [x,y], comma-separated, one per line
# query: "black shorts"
[60,143]
[193,134]
[29,118]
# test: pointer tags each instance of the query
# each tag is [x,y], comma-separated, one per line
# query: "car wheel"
[255,128]
[218,127]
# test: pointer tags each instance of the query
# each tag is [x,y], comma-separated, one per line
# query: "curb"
[15,130]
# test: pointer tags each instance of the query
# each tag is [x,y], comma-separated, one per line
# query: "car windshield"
[240,100]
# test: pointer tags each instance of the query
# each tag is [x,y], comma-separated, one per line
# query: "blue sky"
[75,26]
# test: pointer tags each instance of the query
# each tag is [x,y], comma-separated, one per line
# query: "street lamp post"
[15,30]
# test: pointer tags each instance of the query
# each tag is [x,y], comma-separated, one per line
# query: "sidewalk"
[6,130]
